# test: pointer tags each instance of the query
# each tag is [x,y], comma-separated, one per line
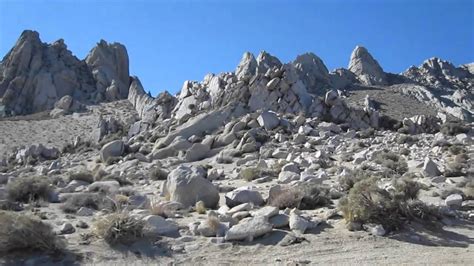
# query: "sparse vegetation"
[29,188]
[368,203]
[119,228]
[158,173]
[95,201]
[392,161]
[20,232]
[200,207]
[85,176]
[249,174]
[452,128]
[303,197]
[402,139]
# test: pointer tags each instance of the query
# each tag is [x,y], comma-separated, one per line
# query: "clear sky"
[172,41]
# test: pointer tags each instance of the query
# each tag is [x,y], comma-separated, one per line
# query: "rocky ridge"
[273,160]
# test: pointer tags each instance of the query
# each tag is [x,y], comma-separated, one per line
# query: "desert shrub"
[346,182]
[200,207]
[249,174]
[288,198]
[113,160]
[452,128]
[123,181]
[469,190]
[366,202]
[446,192]
[454,169]
[456,149]
[93,201]
[346,157]
[84,146]
[158,173]
[461,158]
[402,139]
[366,133]
[99,173]
[392,161]
[31,188]
[119,228]
[314,196]
[7,205]
[405,151]
[161,208]
[406,189]
[85,176]
[213,223]
[303,197]
[20,232]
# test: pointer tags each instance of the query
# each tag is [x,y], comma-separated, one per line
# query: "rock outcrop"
[366,67]
[35,75]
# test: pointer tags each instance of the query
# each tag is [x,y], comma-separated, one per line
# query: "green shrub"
[29,188]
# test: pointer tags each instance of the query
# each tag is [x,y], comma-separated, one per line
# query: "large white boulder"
[187,186]
[248,229]
[247,194]
[268,120]
[111,149]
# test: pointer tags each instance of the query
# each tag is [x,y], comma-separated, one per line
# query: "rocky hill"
[274,163]
[35,75]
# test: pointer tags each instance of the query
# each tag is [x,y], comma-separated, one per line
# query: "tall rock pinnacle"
[366,67]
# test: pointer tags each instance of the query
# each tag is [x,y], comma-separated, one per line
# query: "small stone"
[84,211]
[67,228]
[454,201]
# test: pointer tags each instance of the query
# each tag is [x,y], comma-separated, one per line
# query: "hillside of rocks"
[274,163]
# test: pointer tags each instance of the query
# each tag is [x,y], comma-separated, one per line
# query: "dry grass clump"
[303,197]
[288,198]
[95,201]
[123,181]
[392,161]
[164,209]
[213,223]
[452,128]
[402,139]
[158,173]
[249,174]
[366,133]
[29,188]
[200,207]
[85,176]
[113,160]
[20,232]
[368,203]
[119,228]
[456,149]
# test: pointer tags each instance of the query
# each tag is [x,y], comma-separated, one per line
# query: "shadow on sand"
[437,236]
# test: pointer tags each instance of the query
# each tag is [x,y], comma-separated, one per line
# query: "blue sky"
[171,41]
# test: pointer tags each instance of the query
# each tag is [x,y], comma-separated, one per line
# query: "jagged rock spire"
[366,67]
